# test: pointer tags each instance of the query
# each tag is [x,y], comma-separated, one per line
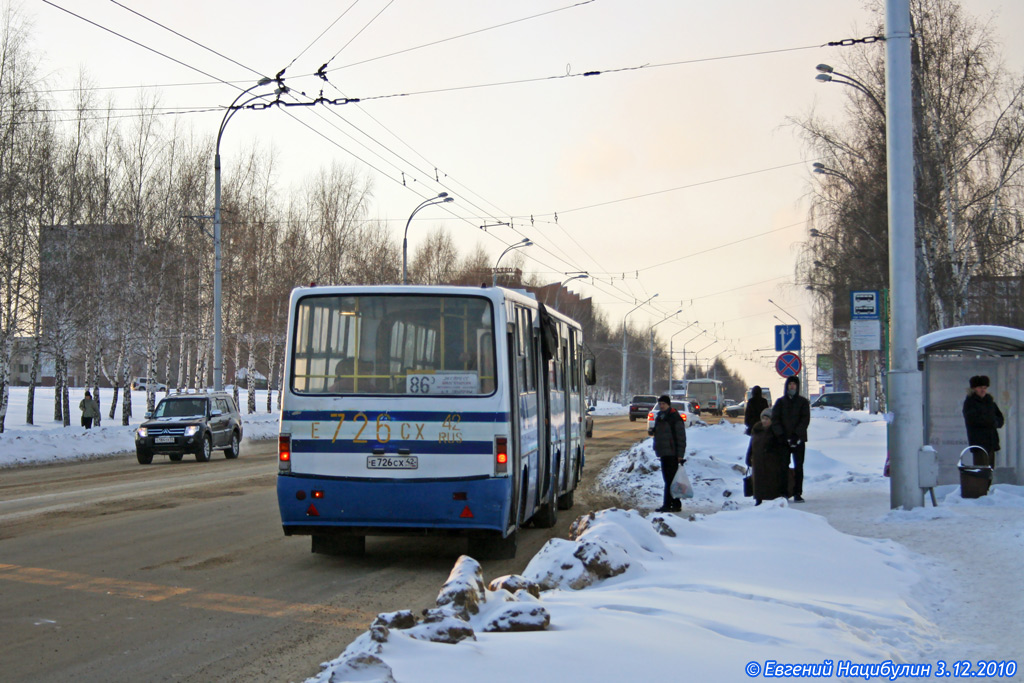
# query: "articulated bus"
[408,410]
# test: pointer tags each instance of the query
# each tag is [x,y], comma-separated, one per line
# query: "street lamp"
[574,277]
[671,357]
[829,75]
[525,242]
[702,332]
[441,198]
[696,354]
[625,351]
[218,350]
[650,371]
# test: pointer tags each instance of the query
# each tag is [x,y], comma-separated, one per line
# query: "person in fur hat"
[982,417]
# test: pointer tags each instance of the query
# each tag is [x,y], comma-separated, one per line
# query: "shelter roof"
[976,338]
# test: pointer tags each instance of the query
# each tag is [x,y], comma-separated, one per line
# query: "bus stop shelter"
[948,359]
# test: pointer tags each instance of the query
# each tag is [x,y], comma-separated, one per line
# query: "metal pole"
[625,351]
[443,197]
[906,430]
[218,353]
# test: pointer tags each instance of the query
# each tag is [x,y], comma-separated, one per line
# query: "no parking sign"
[788,364]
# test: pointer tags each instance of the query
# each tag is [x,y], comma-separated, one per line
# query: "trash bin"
[974,479]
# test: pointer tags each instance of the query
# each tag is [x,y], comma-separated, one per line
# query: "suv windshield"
[394,344]
[181,407]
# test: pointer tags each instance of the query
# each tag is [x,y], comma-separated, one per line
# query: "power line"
[461,35]
[324,32]
[180,35]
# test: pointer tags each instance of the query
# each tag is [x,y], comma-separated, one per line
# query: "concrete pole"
[906,430]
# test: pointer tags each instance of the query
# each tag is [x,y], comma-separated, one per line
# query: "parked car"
[835,399]
[640,406]
[686,411]
[736,410]
[726,402]
[141,384]
[190,423]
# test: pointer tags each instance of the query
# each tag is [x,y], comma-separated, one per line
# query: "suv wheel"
[231,452]
[144,457]
[205,449]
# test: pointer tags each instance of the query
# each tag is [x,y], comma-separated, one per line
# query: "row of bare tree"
[968,144]
[106,261]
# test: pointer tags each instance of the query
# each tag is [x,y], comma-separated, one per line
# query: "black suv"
[835,399]
[190,423]
[640,406]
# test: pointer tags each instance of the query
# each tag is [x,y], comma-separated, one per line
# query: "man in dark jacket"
[790,417]
[669,434]
[756,405]
[982,417]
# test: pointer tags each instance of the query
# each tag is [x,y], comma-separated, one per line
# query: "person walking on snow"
[90,411]
[669,434]
[790,417]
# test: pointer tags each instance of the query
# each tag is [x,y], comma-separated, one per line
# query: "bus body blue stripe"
[391,447]
[396,504]
[394,415]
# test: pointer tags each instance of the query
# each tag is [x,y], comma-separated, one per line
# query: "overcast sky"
[680,178]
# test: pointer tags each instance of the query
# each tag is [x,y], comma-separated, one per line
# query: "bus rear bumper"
[395,507]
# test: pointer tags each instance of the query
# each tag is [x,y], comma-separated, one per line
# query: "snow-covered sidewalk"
[731,592]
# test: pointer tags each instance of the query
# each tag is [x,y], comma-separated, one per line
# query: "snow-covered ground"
[49,441]
[724,591]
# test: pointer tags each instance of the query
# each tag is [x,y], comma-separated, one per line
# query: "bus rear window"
[394,344]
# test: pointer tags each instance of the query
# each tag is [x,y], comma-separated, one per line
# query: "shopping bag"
[748,483]
[681,487]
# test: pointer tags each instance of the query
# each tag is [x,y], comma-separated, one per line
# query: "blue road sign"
[865,305]
[787,337]
[788,365]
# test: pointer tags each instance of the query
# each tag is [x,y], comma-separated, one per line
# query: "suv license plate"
[392,462]
[164,439]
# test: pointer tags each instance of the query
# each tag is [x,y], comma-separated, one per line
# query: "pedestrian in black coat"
[769,460]
[790,417]
[982,417]
[756,405]
[669,434]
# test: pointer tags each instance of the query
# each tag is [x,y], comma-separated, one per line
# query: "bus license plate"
[392,462]
[164,439]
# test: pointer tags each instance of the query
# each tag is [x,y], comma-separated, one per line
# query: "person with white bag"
[669,432]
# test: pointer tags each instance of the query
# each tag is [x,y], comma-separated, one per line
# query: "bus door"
[527,411]
[554,410]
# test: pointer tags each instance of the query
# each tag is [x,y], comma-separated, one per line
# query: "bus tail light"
[501,455]
[284,453]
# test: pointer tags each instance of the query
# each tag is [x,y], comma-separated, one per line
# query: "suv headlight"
[141,433]
[191,430]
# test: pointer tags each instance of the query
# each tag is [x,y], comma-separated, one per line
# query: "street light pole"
[218,349]
[650,371]
[574,277]
[625,351]
[828,75]
[672,357]
[525,242]
[906,430]
[702,332]
[441,198]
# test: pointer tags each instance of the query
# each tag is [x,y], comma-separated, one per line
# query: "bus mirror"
[589,372]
